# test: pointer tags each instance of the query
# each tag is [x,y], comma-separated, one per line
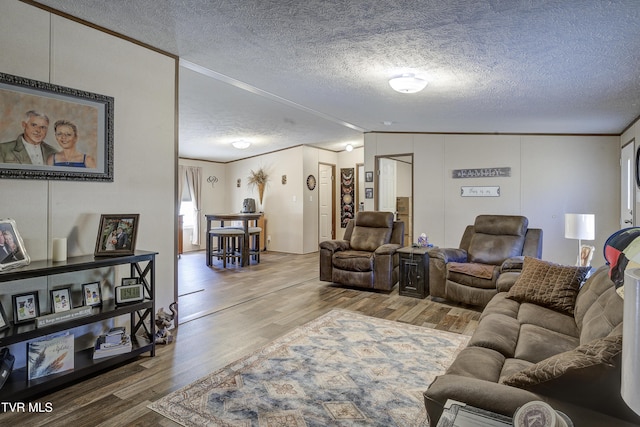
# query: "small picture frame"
[368,176]
[26,307]
[127,294]
[61,300]
[117,235]
[91,294]
[4,321]
[368,193]
[12,251]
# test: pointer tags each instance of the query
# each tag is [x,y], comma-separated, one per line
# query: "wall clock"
[311,182]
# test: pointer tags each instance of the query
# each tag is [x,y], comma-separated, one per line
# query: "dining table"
[245,218]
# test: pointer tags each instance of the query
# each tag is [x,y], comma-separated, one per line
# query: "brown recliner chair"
[489,259]
[366,257]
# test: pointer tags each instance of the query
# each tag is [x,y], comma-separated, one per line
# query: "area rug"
[341,369]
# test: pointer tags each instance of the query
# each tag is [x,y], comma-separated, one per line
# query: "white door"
[325,202]
[627,185]
[387,185]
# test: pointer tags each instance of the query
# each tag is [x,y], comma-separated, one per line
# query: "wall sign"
[492,191]
[481,173]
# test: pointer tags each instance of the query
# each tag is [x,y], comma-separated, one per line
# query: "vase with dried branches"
[259,179]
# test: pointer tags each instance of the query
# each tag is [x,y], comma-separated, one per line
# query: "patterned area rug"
[342,369]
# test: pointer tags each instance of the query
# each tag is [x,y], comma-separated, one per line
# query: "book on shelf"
[106,349]
[114,335]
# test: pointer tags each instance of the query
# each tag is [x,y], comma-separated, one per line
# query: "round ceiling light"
[349,148]
[241,144]
[407,83]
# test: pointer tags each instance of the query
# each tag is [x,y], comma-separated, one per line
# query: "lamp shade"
[580,226]
[630,388]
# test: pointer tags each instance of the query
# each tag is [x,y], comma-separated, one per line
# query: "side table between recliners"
[414,271]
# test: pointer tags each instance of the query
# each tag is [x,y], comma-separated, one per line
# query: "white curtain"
[194,183]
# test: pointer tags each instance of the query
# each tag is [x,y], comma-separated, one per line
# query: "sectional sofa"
[545,338]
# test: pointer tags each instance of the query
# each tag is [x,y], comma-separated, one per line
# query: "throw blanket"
[482,271]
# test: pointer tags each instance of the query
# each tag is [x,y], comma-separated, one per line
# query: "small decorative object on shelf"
[4,320]
[12,251]
[6,365]
[117,235]
[423,240]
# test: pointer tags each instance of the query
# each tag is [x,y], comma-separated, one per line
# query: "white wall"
[59,51]
[550,176]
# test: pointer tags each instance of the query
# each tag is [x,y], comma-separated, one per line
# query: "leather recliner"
[488,260]
[366,257]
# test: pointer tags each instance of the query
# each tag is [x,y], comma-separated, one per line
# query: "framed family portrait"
[91,295]
[61,300]
[26,307]
[71,128]
[12,251]
[117,235]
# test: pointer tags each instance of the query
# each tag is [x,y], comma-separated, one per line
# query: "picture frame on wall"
[368,193]
[91,294]
[26,307]
[117,235]
[368,176]
[73,128]
[12,251]
[61,300]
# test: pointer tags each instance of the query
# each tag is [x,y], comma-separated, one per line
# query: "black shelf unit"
[142,265]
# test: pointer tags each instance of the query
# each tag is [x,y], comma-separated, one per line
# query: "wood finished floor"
[241,309]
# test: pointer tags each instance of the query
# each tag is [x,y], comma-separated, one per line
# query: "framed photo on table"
[117,235]
[91,294]
[12,251]
[61,300]
[26,307]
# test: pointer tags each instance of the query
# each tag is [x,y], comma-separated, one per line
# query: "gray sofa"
[542,342]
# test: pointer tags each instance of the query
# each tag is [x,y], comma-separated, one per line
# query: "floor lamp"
[581,227]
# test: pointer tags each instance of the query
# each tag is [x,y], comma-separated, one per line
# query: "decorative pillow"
[549,285]
[593,355]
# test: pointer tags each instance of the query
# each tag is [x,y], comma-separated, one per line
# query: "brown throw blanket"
[483,271]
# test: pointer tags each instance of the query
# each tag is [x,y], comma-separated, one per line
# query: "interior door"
[387,185]
[627,185]
[326,197]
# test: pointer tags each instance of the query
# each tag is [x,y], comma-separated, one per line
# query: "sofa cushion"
[497,238]
[477,362]
[498,332]
[353,260]
[533,314]
[591,356]
[536,343]
[547,284]
[502,305]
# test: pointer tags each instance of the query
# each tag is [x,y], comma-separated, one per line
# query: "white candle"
[59,249]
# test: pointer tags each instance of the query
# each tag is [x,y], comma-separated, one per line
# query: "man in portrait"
[29,148]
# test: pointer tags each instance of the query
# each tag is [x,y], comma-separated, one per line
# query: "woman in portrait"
[67,136]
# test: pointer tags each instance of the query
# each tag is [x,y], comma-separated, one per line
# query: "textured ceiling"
[284,72]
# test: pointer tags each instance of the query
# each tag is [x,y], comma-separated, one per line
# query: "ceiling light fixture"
[407,83]
[349,148]
[241,144]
